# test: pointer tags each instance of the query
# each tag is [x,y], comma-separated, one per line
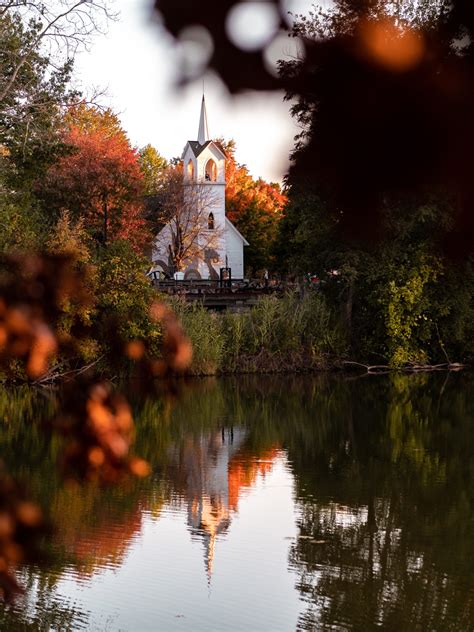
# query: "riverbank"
[278,335]
[289,334]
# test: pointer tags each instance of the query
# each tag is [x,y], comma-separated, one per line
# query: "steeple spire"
[203,134]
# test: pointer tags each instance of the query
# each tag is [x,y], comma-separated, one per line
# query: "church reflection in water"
[202,476]
[210,474]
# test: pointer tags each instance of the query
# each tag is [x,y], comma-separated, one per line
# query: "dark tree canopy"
[384,93]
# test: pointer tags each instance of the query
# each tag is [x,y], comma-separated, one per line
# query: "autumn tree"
[39,41]
[255,207]
[100,179]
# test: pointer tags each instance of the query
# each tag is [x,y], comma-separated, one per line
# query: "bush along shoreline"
[290,334]
[113,328]
[278,335]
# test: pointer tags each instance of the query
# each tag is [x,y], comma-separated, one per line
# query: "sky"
[136,63]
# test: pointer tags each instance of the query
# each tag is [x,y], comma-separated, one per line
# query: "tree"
[22,224]
[362,150]
[30,121]
[39,42]
[125,296]
[256,208]
[383,266]
[62,28]
[153,167]
[100,179]
[373,92]
[186,233]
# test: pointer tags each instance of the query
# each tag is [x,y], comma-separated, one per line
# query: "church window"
[211,171]
[210,221]
[191,170]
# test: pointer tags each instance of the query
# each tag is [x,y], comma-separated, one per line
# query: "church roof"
[197,148]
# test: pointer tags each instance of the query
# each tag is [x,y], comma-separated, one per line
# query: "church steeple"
[203,134]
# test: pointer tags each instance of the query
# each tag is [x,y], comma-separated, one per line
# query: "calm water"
[275,504]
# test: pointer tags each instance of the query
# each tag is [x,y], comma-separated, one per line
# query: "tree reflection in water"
[386,507]
[384,491]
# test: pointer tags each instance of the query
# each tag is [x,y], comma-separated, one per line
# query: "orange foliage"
[176,347]
[243,191]
[99,430]
[101,175]
[23,334]
[33,291]
[21,528]
[255,207]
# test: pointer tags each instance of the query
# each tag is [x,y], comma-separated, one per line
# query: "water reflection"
[211,472]
[201,474]
[316,503]
[392,501]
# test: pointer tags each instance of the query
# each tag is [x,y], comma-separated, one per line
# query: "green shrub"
[277,335]
[205,331]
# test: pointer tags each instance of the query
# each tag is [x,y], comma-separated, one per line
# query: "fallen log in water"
[409,368]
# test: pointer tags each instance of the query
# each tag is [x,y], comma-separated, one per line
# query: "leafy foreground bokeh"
[43,302]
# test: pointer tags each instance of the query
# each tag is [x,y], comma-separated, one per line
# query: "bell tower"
[204,170]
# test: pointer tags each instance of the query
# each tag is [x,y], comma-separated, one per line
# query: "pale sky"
[137,63]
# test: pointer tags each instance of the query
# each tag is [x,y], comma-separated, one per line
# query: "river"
[290,503]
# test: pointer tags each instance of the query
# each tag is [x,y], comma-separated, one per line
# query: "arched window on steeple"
[211,171]
[210,221]
[190,170]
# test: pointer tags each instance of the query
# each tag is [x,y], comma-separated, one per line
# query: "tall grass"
[277,335]
[205,330]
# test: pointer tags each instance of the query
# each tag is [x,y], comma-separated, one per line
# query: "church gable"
[197,163]
[197,148]
[212,149]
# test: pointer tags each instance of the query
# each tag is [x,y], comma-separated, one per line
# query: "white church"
[214,245]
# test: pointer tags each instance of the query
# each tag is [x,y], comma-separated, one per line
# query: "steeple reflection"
[210,473]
